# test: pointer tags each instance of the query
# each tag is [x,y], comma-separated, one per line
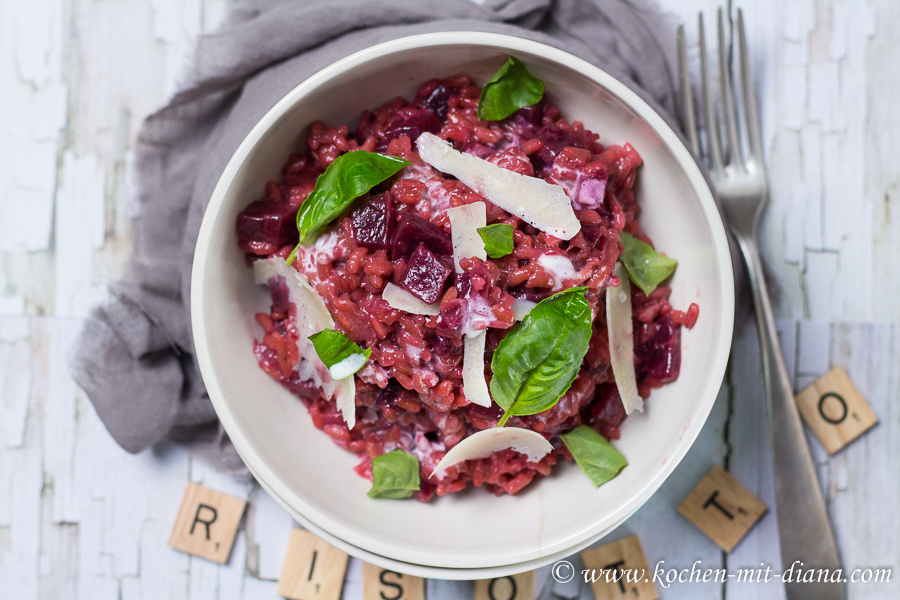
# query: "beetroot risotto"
[465,269]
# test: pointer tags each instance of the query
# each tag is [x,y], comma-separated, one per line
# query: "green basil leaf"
[510,89]
[498,239]
[537,361]
[646,267]
[342,357]
[596,456]
[293,255]
[350,176]
[395,475]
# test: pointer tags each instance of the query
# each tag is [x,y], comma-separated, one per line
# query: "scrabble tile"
[619,570]
[834,410]
[722,508]
[384,584]
[511,587]
[207,523]
[313,569]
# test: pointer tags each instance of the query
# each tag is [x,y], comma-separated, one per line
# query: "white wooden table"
[81,518]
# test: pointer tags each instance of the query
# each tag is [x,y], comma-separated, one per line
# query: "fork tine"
[710,124]
[726,93]
[686,95]
[749,95]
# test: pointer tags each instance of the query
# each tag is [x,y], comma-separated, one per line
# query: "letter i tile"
[722,508]
[313,569]
[207,523]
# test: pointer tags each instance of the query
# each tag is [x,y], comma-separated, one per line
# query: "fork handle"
[804,529]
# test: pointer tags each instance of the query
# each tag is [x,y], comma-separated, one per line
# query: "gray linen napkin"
[134,357]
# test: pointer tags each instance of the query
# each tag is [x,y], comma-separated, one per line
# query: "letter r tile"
[207,523]
[835,410]
[384,584]
[619,570]
[722,508]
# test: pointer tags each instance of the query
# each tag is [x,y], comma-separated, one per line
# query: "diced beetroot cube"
[591,234]
[529,117]
[589,191]
[413,230]
[412,122]
[449,322]
[463,284]
[385,397]
[476,148]
[608,406]
[555,139]
[661,356]
[373,222]
[266,225]
[437,100]
[304,389]
[425,492]
[424,275]
[491,412]
[442,346]
[281,297]
[607,411]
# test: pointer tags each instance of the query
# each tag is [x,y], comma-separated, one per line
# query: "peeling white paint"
[268,530]
[15,383]
[80,230]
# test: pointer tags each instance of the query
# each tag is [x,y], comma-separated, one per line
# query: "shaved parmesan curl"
[621,341]
[312,317]
[535,201]
[484,443]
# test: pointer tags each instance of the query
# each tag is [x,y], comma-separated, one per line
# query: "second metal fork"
[740,185]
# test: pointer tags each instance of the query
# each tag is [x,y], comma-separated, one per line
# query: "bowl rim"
[295,503]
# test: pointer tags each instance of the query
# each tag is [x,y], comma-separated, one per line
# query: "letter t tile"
[619,570]
[722,508]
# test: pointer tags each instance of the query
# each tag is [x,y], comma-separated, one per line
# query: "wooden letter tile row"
[208,522]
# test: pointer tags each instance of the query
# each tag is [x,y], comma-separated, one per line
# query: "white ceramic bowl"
[474,531]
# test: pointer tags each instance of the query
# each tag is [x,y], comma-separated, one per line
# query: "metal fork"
[740,184]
